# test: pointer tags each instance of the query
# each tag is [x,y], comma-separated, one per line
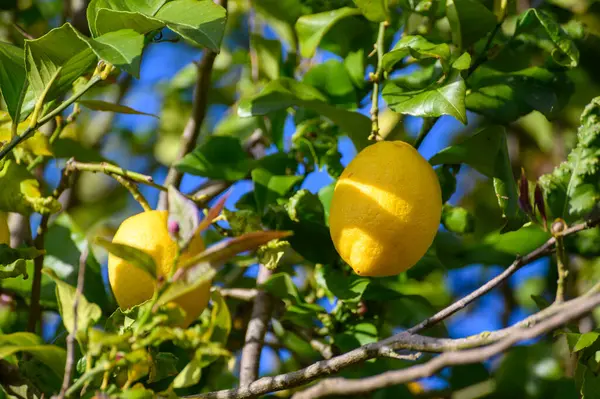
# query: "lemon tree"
[303,199]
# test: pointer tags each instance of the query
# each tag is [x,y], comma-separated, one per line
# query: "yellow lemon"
[385,210]
[148,231]
[415,388]
[4,232]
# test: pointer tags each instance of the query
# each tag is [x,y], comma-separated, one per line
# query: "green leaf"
[297,310]
[87,313]
[190,375]
[183,213]
[164,365]
[268,187]
[469,21]
[134,8]
[504,97]
[201,22]
[219,157]
[457,219]
[269,54]
[64,242]
[373,10]
[312,28]
[12,77]
[99,105]
[540,24]
[572,189]
[272,253]
[487,151]
[311,238]
[285,93]
[355,336]
[326,195]
[10,255]
[447,178]
[220,320]
[122,48]
[304,205]
[21,191]
[347,287]
[446,99]
[332,79]
[463,62]
[282,286]
[135,256]
[586,340]
[419,48]
[60,52]
[22,288]
[107,20]
[191,278]
[52,356]
[14,269]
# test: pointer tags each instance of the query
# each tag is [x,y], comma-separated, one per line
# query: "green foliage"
[572,189]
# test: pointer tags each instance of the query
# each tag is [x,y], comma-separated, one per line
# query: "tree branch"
[257,328]
[406,339]
[343,386]
[192,128]
[242,294]
[38,263]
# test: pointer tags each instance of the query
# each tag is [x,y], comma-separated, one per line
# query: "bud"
[119,356]
[558,226]
[524,200]
[539,204]
[362,308]
[173,228]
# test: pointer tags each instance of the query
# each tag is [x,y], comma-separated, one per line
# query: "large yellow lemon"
[4,232]
[385,210]
[148,231]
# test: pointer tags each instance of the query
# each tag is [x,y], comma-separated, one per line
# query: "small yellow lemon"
[4,232]
[148,231]
[385,210]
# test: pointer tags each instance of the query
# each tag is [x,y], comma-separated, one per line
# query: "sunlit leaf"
[12,77]
[87,313]
[446,99]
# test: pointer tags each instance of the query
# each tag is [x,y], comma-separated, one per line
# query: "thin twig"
[72,336]
[242,294]
[343,386]
[135,192]
[377,79]
[255,333]
[561,259]
[404,340]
